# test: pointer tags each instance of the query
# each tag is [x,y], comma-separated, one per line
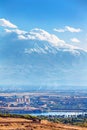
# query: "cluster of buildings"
[24,99]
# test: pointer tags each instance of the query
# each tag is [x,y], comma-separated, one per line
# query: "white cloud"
[18,31]
[68,29]
[40,34]
[75,40]
[59,30]
[37,34]
[21,37]
[45,36]
[6,23]
[71,29]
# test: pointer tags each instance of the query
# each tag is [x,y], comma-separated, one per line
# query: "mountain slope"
[39,58]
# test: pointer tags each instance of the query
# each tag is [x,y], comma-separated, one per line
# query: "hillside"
[24,124]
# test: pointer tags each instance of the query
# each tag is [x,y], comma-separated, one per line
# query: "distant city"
[40,102]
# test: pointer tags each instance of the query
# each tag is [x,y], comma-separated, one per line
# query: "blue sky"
[44,13]
[59,22]
[47,15]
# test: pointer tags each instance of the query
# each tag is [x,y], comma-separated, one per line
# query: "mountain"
[38,58]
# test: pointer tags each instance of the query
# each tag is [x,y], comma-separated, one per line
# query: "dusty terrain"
[23,124]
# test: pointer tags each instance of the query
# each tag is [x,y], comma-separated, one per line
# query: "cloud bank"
[39,34]
[68,29]
[36,34]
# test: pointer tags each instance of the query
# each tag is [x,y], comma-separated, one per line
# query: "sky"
[53,16]
[63,23]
